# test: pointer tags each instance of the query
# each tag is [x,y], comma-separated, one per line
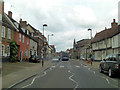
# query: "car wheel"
[110,73]
[100,69]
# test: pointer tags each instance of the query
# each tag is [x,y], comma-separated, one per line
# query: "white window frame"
[3,32]
[9,34]
[8,51]
[19,37]
[23,38]
[25,52]
[3,50]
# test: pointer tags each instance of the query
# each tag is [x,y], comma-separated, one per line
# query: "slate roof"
[107,33]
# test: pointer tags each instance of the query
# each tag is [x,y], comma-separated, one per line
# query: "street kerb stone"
[14,77]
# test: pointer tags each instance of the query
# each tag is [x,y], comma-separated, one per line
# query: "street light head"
[89,29]
[45,25]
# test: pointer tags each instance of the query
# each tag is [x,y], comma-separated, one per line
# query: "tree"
[13,52]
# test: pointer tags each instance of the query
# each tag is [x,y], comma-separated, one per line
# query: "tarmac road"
[69,74]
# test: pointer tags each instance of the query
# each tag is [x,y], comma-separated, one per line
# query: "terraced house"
[33,42]
[7,36]
[106,42]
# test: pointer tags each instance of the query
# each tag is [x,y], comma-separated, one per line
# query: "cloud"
[66,19]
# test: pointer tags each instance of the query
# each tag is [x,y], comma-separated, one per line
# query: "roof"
[6,22]
[107,33]
[82,42]
[19,28]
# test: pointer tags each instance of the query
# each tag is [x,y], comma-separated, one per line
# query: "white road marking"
[34,80]
[105,79]
[61,66]
[77,66]
[73,80]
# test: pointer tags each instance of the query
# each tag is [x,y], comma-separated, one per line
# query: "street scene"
[59,44]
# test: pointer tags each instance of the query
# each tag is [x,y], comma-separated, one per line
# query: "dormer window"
[32,34]
[27,32]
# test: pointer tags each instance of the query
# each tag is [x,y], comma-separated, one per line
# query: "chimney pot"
[114,24]
[20,20]
[10,14]
[114,20]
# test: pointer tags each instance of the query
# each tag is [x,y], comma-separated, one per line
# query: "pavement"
[16,72]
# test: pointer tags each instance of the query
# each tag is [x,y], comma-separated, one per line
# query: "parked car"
[34,58]
[111,65]
[56,59]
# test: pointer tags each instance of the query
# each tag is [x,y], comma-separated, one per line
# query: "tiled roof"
[83,42]
[107,33]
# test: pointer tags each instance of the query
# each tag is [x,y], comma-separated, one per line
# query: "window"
[25,52]
[23,39]
[30,52]
[9,34]
[2,50]
[27,32]
[27,41]
[32,34]
[19,37]
[96,44]
[34,52]
[8,50]
[3,31]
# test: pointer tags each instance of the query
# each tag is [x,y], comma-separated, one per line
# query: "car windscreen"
[65,55]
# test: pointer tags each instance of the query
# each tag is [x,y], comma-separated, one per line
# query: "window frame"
[25,52]
[2,50]
[22,38]
[19,37]
[9,34]
[8,52]
[3,32]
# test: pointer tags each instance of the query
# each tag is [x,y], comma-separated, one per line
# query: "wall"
[22,46]
[33,44]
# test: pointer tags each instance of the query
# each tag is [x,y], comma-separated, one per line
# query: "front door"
[20,55]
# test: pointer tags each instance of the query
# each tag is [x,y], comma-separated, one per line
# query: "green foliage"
[90,55]
[13,52]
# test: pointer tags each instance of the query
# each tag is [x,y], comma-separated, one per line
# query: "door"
[20,55]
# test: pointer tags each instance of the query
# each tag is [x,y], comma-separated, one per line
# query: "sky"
[66,19]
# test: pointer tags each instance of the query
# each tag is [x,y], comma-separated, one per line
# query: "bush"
[13,52]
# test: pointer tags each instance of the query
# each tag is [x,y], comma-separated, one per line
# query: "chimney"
[10,14]
[20,20]
[23,23]
[114,24]
[2,8]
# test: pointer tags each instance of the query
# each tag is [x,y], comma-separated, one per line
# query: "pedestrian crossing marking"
[61,66]
[77,66]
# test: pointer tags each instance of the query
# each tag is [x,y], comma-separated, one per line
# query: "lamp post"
[91,39]
[44,25]
[48,37]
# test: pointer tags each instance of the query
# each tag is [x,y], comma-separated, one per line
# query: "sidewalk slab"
[24,72]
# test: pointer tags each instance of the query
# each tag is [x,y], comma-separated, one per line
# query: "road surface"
[70,74]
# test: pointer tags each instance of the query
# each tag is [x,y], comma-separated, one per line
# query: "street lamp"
[44,25]
[91,39]
[48,37]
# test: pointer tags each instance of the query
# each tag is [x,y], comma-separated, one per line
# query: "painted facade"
[106,42]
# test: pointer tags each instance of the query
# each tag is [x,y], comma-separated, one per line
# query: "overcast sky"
[66,19]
